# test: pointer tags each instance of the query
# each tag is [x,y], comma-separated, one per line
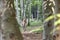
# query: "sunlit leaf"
[36,30]
[57,28]
[57,22]
[58,15]
[49,18]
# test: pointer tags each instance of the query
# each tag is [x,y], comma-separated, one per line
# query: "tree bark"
[48,26]
[9,26]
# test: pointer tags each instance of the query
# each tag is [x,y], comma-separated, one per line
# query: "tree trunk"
[0,28]
[28,8]
[22,8]
[48,26]
[9,23]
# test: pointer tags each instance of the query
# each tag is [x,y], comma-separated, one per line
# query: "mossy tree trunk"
[9,23]
[48,25]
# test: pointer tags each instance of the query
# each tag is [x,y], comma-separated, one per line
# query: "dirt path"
[32,36]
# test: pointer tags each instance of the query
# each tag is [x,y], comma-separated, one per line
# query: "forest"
[29,19]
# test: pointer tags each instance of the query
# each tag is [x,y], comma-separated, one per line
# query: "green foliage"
[39,30]
[28,13]
[34,2]
[51,17]
[35,22]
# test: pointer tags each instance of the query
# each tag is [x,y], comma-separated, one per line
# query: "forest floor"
[32,36]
